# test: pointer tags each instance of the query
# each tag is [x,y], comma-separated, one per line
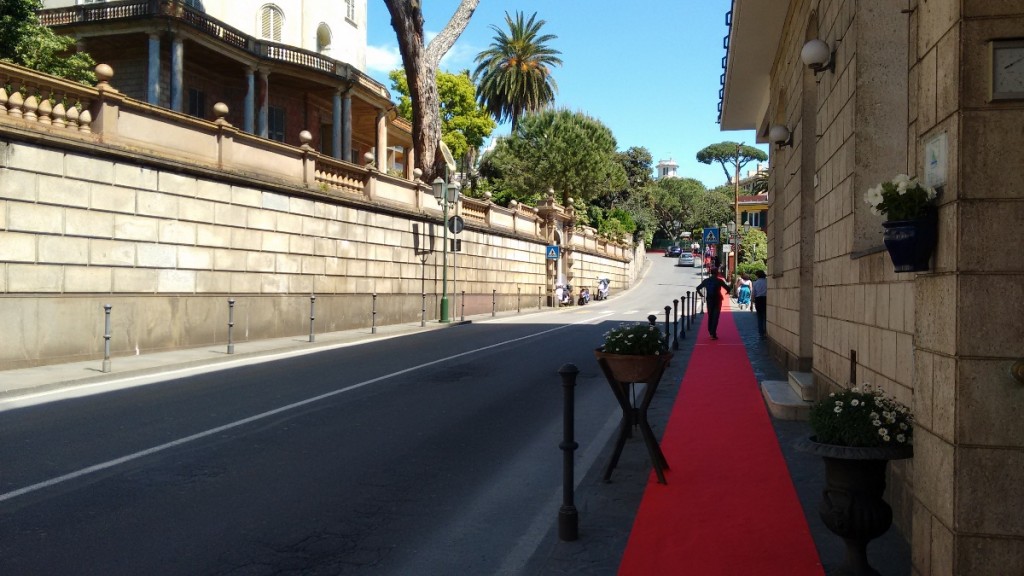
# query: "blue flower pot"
[910,243]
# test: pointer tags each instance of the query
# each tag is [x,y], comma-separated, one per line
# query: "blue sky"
[647,69]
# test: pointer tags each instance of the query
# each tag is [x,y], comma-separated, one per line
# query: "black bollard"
[373,315]
[312,317]
[689,307]
[231,325]
[539,297]
[682,319]
[519,300]
[494,303]
[652,319]
[668,311]
[106,337]
[568,518]
[675,324]
[423,309]
[462,314]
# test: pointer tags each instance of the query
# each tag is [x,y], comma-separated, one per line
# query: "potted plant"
[909,210]
[857,432]
[635,352]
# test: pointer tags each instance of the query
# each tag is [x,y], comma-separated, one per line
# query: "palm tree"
[514,73]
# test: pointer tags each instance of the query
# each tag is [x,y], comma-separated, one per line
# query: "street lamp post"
[445,194]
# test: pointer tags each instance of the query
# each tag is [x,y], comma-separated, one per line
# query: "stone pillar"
[336,128]
[382,140]
[346,126]
[249,113]
[264,104]
[177,73]
[153,71]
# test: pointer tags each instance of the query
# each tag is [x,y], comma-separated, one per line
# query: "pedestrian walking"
[711,290]
[743,291]
[760,293]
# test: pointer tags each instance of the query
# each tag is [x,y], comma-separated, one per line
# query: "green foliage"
[514,72]
[749,268]
[637,164]
[614,223]
[731,155]
[754,248]
[861,418]
[714,207]
[674,202]
[568,151]
[24,41]
[464,123]
[640,339]
[901,198]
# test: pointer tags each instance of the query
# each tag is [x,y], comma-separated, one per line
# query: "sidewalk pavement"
[606,510]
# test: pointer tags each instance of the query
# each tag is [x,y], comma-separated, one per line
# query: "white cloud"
[382,59]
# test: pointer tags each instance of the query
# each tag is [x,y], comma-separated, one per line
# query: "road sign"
[552,252]
[456,224]
[711,236]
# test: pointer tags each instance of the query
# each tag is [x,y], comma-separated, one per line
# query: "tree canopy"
[514,72]
[464,123]
[24,41]
[568,151]
[732,156]
[675,202]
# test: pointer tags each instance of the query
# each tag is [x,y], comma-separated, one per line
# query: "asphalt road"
[434,453]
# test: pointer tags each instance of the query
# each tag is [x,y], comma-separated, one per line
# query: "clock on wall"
[1006,76]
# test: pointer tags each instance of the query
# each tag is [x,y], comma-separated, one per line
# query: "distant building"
[667,169]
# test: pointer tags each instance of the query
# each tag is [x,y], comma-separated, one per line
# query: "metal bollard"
[494,302]
[519,300]
[568,518]
[682,317]
[231,325]
[652,319]
[668,310]
[423,309]
[462,314]
[106,337]
[539,298]
[675,324]
[689,314]
[312,317]
[373,315]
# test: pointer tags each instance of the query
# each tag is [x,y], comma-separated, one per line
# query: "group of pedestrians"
[714,289]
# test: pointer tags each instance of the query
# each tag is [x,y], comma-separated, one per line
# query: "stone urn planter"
[852,504]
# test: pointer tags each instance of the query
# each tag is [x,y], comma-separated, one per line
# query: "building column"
[264,99]
[336,125]
[153,71]
[382,140]
[177,73]
[346,127]
[249,111]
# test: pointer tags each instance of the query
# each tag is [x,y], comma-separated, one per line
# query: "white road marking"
[206,433]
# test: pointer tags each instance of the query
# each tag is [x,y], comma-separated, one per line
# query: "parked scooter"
[602,289]
[584,296]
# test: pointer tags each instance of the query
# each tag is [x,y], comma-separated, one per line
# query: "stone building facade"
[908,90]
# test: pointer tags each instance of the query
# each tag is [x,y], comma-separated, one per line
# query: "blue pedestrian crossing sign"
[711,236]
[552,252]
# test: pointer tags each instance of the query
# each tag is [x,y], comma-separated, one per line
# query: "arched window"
[323,39]
[271,22]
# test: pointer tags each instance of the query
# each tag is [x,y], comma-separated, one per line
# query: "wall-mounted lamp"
[818,56]
[780,136]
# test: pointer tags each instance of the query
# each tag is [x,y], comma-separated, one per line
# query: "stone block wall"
[167,248]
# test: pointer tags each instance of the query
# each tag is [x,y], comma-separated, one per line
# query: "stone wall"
[166,217]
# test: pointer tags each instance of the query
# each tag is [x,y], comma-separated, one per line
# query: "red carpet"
[729,506]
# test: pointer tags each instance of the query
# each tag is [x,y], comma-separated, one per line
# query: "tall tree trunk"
[420,64]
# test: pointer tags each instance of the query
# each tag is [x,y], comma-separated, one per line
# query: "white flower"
[883,432]
[873,197]
[838,410]
[902,182]
[876,422]
[854,402]
[901,438]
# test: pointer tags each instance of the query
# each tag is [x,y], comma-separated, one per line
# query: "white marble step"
[803,384]
[783,401]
